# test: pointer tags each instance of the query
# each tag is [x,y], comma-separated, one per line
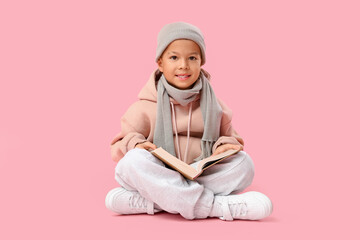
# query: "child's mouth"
[183,77]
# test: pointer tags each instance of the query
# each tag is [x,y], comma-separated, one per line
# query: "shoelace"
[231,209]
[138,202]
[239,208]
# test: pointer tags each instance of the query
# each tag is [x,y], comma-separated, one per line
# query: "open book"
[194,170]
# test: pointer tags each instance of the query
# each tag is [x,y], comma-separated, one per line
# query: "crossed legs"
[140,171]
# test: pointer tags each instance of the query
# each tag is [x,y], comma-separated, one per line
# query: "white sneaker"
[249,206]
[122,201]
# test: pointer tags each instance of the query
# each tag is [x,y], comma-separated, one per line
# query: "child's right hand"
[146,145]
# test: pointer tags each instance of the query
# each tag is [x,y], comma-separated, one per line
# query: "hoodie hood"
[149,92]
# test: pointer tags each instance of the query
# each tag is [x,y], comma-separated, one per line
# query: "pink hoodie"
[138,125]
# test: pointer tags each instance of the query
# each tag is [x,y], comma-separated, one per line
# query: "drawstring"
[188,132]
[176,131]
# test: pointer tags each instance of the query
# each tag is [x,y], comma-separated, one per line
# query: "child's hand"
[146,145]
[225,147]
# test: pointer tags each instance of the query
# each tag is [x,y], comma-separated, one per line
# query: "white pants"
[140,171]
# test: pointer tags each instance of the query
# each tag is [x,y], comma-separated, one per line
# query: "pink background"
[70,69]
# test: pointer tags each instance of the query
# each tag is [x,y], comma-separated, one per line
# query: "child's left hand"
[225,147]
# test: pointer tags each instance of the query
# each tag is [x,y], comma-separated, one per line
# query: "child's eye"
[173,57]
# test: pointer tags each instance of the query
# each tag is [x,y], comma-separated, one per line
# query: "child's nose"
[184,63]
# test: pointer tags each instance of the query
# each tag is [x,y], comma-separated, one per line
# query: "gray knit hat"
[179,30]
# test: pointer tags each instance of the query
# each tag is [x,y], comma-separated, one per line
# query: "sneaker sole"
[268,207]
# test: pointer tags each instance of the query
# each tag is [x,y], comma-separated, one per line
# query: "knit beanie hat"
[179,30]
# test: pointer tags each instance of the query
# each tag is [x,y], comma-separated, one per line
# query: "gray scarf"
[210,109]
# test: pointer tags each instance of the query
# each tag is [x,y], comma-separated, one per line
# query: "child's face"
[181,57]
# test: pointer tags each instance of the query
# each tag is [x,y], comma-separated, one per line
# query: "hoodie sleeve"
[227,133]
[135,128]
